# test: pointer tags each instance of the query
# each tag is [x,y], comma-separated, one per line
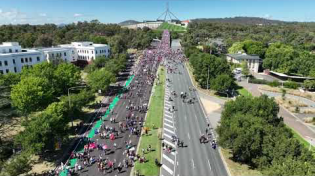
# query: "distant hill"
[128,22]
[241,20]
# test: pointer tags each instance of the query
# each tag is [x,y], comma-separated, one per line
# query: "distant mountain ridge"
[128,22]
[241,20]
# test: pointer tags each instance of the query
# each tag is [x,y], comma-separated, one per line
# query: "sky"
[115,11]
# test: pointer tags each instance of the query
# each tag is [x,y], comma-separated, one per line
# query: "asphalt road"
[189,123]
[120,112]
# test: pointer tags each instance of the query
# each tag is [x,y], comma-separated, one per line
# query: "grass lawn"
[238,169]
[244,92]
[154,118]
[171,27]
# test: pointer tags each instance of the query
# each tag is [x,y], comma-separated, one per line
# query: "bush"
[291,85]
[274,84]
[257,81]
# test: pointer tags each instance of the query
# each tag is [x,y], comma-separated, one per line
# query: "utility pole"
[70,100]
[208,78]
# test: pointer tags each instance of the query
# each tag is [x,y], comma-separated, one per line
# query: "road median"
[153,123]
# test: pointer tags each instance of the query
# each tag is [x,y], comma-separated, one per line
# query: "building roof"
[244,57]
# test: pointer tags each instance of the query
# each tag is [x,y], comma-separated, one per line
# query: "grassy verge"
[154,118]
[244,92]
[302,140]
[238,169]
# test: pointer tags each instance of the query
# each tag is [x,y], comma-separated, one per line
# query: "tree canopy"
[254,133]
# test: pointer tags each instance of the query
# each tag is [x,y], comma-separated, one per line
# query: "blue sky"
[113,11]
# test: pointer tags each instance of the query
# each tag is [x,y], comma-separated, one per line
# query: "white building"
[52,54]
[87,51]
[253,61]
[13,58]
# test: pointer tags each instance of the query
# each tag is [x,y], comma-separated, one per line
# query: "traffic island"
[152,130]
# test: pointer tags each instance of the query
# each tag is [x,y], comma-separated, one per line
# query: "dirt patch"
[40,167]
[210,106]
[238,169]
[8,131]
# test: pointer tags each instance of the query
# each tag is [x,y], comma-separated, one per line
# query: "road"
[188,122]
[138,94]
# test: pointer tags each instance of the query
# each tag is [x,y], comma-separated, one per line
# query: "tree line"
[210,71]
[255,135]
[51,35]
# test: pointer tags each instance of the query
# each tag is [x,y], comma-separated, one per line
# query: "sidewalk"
[289,119]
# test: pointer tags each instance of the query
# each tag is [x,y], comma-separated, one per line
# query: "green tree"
[44,129]
[254,48]
[223,83]
[236,47]
[19,164]
[100,79]
[31,94]
[66,75]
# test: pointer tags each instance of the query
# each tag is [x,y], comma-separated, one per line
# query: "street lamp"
[71,88]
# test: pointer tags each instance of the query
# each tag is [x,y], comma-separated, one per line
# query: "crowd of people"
[113,148]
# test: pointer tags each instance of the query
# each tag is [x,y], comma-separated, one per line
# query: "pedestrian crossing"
[168,158]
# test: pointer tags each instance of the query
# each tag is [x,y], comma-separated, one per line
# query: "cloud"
[43,14]
[77,15]
[12,16]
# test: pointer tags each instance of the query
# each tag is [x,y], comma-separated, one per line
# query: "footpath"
[289,119]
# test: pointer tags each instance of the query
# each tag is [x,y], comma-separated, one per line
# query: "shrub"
[257,81]
[274,83]
[291,85]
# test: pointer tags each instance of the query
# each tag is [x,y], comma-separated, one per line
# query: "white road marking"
[170,105]
[167,135]
[170,131]
[186,118]
[168,159]
[177,165]
[168,116]
[167,169]
[209,164]
[193,164]
[168,125]
[168,102]
[169,143]
[188,136]
[168,112]
[168,120]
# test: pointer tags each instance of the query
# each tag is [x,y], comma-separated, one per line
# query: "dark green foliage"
[17,165]
[309,84]
[274,83]
[51,35]
[285,47]
[207,65]
[291,85]
[257,81]
[255,135]
[44,129]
